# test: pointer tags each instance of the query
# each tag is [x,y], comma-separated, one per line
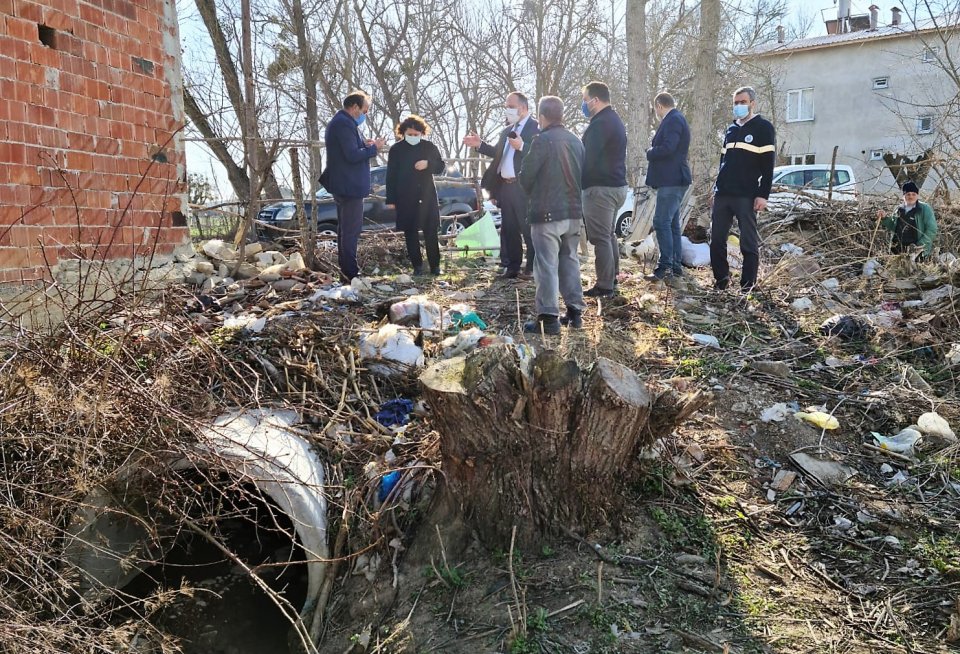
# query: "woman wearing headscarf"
[411,165]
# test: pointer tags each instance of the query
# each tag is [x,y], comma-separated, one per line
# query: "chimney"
[874,16]
[895,16]
[843,16]
[781,36]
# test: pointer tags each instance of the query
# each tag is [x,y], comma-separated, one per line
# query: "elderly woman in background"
[411,165]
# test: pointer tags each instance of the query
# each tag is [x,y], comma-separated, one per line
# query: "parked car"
[454,199]
[813,180]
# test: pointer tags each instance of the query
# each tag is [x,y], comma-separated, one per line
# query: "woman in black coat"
[411,165]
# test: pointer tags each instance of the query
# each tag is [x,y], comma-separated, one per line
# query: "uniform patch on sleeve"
[748,138]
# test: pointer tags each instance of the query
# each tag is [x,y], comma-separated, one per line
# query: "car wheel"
[327,230]
[624,223]
[453,228]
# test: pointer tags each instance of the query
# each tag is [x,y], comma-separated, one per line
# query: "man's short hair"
[748,90]
[522,97]
[665,100]
[356,99]
[551,108]
[598,90]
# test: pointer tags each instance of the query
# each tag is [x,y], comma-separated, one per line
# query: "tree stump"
[539,442]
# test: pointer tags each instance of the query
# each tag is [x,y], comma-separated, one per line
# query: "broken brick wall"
[91,160]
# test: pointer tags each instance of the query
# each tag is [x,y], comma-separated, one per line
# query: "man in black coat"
[347,176]
[500,180]
[669,173]
[742,188]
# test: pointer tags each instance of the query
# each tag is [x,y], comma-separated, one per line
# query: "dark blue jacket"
[348,158]
[668,154]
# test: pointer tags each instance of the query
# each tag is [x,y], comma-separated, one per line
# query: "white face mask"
[511,114]
[412,140]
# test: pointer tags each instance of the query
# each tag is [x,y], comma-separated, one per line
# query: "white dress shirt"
[506,162]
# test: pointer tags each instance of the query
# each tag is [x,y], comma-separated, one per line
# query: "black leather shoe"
[435,272]
[573,319]
[417,271]
[509,274]
[599,292]
[550,325]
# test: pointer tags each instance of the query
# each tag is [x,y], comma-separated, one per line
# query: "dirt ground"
[709,559]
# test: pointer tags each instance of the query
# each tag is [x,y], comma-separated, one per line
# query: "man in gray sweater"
[551,178]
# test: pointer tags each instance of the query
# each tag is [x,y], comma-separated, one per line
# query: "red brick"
[30,11]
[25,30]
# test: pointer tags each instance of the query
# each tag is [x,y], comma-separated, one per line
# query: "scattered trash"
[818,418]
[802,304]
[887,319]
[886,469]
[893,542]
[359,284]
[936,295]
[404,280]
[706,339]
[468,319]
[462,343]
[902,443]
[828,473]
[388,483]
[394,412]
[790,248]
[842,524]
[391,343]
[418,309]
[783,480]
[246,321]
[480,238]
[831,284]
[898,479]
[694,255]
[932,424]
[776,413]
[870,267]
[953,354]
[847,328]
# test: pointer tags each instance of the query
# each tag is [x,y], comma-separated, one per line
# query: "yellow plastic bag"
[818,418]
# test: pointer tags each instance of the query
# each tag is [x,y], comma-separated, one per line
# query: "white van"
[813,180]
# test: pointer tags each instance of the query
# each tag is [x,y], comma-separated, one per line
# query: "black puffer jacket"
[551,174]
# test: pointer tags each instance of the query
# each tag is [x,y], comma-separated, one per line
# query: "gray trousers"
[556,268]
[600,205]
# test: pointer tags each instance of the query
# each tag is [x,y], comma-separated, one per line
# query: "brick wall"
[91,162]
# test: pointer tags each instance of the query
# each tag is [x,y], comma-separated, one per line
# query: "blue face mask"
[585,108]
[740,111]
[361,119]
[412,140]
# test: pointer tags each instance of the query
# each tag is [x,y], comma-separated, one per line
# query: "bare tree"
[704,136]
[638,99]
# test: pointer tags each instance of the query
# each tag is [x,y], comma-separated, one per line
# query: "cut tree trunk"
[541,443]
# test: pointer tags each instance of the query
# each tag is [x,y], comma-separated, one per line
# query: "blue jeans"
[666,224]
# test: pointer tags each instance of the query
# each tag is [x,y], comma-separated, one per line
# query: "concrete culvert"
[246,542]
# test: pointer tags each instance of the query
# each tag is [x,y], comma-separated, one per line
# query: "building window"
[799,105]
[930,55]
[881,83]
[802,159]
[876,155]
[925,125]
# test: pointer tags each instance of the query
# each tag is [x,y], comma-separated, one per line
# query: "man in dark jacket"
[500,181]
[551,177]
[669,173]
[347,176]
[604,183]
[742,188]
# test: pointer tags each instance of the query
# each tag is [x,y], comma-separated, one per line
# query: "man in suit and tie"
[500,180]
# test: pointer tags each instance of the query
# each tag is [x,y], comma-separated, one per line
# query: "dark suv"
[454,199]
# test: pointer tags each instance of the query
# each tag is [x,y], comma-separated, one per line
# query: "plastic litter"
[416,309]
[469,319]
[790,248]
[394,412]
[826,472]
[830,284]
[462,343]
[845,327]
[338,293]
[818,418]
[706,339]
[902,443]
[870,267]
[776,413]
[694,255]
[933,424]
[249,322]
[388,483]
[480,238]
[391,343]
[802,304]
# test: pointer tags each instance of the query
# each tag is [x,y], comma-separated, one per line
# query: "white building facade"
[890,89]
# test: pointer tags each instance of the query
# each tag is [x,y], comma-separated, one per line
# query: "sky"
[199,160]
